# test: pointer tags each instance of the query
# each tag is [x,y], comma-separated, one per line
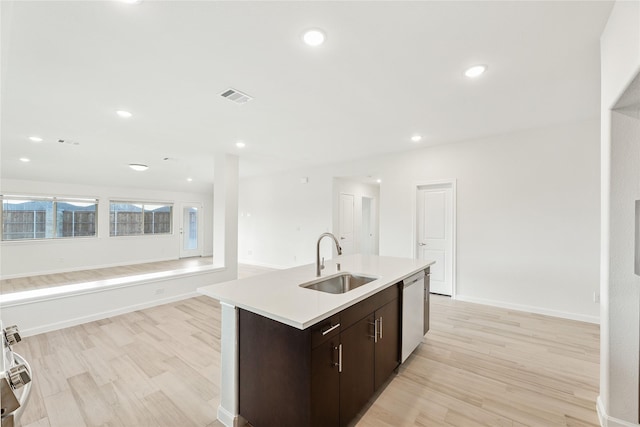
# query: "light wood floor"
[58,279]
[477,366]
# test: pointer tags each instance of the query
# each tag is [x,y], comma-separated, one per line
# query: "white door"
[435,234]
[346,223]
[191,231]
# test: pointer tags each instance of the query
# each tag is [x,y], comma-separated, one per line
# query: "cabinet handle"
[339,348]
[380,327]
[331,328]
[375,331]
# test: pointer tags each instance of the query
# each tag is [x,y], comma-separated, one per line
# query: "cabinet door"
[356,378]
[325,384]
[387,354]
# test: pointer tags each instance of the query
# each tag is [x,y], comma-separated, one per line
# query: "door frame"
[419,185]
[200,207]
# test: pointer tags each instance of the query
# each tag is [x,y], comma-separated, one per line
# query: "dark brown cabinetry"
[325,380]
[357,376]
[386,353]
[321,376]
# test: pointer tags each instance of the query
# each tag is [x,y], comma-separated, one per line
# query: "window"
[133,218]
[29,218]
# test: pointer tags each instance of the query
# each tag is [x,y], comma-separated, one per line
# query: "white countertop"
[278,296]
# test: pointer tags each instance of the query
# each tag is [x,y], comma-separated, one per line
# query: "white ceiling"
[387,70]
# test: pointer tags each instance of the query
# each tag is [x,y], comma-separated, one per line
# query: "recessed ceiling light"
[138,167]
[378,180]
[240,144]
[475,71]
[124,114]
[313,37]
[131,1]
[416,138]
[24,159]
[35,138]
[189,179]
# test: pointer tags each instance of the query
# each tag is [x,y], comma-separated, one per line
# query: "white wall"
[619,336]
[358,190]
[23,258]
[37,312]
[281,217]
[46,314]
[527,214]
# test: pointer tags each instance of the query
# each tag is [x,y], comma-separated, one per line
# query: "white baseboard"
[262,264]
[229,419]
[607,421]
[105,314]
[531,309]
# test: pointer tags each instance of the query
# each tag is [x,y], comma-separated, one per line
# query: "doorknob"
[342,238]
[422,244]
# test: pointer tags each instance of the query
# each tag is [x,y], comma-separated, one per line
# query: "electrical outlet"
[596,297]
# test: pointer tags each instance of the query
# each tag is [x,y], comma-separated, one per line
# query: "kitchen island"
[275,330]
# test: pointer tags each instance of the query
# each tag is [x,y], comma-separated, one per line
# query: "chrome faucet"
[320,266]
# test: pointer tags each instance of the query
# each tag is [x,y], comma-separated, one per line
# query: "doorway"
[191,231]
[355,214]
[369,227]
[346,223]
[435,233]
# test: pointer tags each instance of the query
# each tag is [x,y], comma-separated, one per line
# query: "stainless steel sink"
[339,283]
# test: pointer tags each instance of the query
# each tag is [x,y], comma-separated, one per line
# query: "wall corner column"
[225,211]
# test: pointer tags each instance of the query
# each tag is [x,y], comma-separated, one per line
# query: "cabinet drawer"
[386,296]
[351,315]
[325,329]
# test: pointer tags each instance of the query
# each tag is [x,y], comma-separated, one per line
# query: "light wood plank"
[93,406]
[62,410]
[478,365]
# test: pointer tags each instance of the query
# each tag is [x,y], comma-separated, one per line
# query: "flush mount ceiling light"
[124,114]
[475,71]
[25,160]
[313,37]
[416,138]
[138,167]
[35,138]
[189,179]
[240,144]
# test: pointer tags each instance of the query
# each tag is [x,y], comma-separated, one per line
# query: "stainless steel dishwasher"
[427,290]
[413,313]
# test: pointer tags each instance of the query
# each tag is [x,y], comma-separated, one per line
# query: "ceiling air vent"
[236,96]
